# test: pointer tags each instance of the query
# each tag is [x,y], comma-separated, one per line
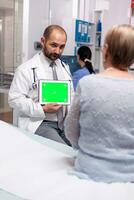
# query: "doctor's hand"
[51,108]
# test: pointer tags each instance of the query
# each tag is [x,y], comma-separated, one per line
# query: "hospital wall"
[37,16]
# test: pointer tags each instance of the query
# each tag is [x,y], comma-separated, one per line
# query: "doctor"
[23,94]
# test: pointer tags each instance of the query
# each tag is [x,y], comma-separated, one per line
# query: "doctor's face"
[54,45]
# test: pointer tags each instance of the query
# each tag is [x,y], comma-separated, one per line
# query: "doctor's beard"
[51,56]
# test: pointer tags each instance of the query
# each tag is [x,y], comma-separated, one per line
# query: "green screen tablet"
[54,92]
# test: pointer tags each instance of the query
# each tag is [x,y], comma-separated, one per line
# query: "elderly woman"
[100,123]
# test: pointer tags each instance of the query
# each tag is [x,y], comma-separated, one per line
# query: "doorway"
[11,14]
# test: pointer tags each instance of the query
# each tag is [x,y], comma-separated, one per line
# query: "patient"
[101,118]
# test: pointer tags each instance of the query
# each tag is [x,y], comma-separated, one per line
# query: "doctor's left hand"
[51,108]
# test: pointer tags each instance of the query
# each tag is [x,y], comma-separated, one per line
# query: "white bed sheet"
[37,172]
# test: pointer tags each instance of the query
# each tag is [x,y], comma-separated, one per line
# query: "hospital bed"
[35,168]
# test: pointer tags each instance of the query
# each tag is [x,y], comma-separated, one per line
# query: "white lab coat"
[23,98]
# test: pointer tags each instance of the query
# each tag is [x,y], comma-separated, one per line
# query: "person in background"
[23,95]
[84,56]
[100,121]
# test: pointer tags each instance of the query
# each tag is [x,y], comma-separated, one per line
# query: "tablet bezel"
[54,81]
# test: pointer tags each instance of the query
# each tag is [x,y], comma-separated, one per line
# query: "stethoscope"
[66,70]
[35,85]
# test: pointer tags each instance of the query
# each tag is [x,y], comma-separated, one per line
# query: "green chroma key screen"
[54,92]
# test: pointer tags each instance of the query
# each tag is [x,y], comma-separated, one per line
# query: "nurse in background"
[84,56]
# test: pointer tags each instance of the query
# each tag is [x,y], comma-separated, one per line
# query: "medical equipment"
[34,84]
[66,69]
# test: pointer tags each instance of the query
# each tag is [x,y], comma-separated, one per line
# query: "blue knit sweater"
[101,125]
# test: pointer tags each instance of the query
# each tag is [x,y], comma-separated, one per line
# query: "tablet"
[51,91]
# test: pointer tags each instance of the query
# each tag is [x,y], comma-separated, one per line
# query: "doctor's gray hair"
[120,41]
[51,28]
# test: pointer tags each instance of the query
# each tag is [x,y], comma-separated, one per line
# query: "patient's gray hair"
[120,41]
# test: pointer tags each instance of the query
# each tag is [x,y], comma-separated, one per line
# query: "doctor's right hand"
[51,108]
